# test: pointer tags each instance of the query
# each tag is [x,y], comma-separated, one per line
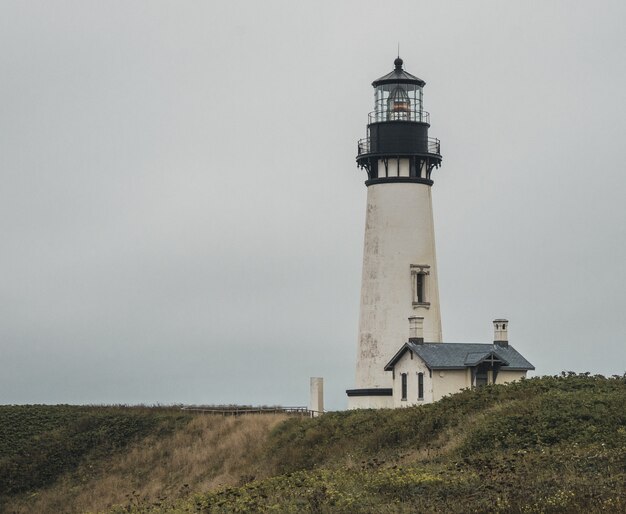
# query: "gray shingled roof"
[462,355]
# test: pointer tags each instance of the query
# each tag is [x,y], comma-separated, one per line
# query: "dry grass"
[448,441]
[210,451]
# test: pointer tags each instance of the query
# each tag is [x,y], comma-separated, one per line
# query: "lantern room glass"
[398,102]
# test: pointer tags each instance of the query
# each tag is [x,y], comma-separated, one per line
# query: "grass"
[551,444]
[81,459]
[39,443]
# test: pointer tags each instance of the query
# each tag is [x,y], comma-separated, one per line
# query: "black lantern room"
[397,147]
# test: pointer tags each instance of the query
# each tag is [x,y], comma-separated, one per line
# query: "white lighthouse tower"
[399,266]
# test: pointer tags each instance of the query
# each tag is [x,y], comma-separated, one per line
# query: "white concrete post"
[316,399]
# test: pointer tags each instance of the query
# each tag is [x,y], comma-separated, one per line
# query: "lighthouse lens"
[398,102]
[399,107]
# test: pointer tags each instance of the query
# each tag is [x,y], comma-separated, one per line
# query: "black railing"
[433,145]
[404,114]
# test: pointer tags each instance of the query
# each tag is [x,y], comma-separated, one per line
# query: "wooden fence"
[239,411]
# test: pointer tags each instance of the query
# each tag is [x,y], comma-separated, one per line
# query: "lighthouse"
[399,280]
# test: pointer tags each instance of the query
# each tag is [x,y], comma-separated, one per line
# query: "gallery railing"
[399,114]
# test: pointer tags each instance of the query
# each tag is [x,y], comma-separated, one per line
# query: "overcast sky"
[181,216]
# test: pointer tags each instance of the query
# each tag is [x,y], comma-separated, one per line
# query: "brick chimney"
[501,332]
[416,329]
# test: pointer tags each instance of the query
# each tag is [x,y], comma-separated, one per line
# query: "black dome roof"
[398,76]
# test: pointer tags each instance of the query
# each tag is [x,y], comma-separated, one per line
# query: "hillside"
[73,459]
[552,444]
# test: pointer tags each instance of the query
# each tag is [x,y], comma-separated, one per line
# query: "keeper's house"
[426,372]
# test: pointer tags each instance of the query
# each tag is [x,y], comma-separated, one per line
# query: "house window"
[481,377]
[419,278]
[420,386]
[404,386]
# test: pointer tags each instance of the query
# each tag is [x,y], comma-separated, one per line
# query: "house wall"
[441,383]
[509,376]
[450,381]
[411,367]
[371,402]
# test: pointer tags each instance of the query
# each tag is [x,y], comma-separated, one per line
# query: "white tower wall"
[399,244]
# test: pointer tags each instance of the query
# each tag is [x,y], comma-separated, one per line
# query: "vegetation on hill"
[73,459]
[551,444]
[38,443]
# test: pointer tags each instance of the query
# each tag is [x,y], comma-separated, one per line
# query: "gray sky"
[181,216]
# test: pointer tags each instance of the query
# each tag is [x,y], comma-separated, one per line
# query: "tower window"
[420,386]
[404,388]
[419,278]
[419,287]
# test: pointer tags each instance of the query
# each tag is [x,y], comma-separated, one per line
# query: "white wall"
[395,168]
[450,381]
[509,376]
[370,402]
